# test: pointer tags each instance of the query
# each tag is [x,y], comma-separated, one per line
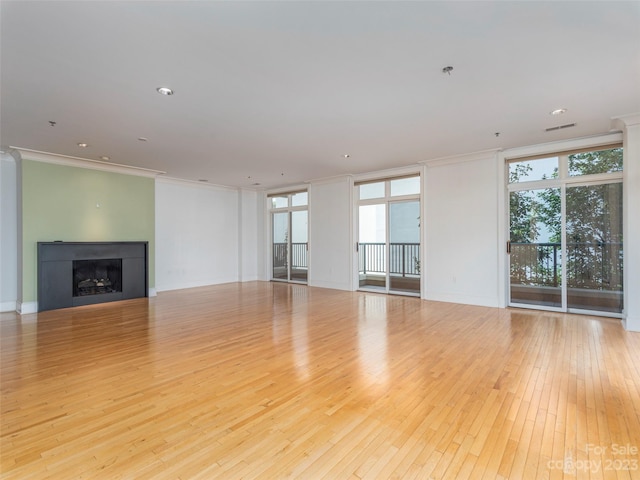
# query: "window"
[532,170]
[405,186]
[389,235]
[565,231]
[299,199]
[600,161]
[289,236]
[371,190]
[279,202]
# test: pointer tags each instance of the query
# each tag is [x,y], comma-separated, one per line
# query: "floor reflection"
[290,322]
[300,340]
[372,339]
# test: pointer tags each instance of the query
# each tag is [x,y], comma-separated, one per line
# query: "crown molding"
[303,187]
[54,158]
[414,169]
[562,145]
[194,183]
[466,157]
[623,121]
[327,180]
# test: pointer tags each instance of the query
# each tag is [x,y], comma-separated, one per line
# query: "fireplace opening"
[97,277]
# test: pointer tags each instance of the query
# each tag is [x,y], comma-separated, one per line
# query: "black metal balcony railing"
[589,265]
[535,263]
[404,258]
[298,255]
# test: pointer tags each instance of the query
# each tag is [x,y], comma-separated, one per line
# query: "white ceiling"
[277,93]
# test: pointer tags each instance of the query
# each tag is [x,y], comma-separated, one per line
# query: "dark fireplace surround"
[71,274]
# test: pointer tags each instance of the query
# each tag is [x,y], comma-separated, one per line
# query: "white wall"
[8,233]
[197,234]
[250,240]
[330,234]
[462,241]
[209,234]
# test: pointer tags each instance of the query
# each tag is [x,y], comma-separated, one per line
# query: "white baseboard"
[481,301]
[8,306]
[25,308]
[202,283]
[631,324]
[332,285]
[152,292]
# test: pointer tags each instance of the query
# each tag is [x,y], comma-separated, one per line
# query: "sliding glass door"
[280,246]
[594,247]
[535,249]
[289,237]
[372,246]
[404,246]
[389,236]
[299,246]
[565,246]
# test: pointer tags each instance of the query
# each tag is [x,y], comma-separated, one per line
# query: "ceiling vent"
[560,127]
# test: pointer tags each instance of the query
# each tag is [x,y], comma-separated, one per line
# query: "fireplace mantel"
[56,283]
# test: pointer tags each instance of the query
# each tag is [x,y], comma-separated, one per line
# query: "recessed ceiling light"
[164,91]
[83,145]
[143,139]
[558,111]
[346,155]
[105,158]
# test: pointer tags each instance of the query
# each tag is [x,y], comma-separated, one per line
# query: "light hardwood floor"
[264,380]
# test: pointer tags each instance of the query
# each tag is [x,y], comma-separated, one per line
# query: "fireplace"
[83,273]
[97,277]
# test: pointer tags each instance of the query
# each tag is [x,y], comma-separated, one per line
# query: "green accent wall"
[82,205]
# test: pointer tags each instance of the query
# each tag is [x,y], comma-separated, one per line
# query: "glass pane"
[279,202]
[280,253]
[372,244]
[602,161]
[405,186]
[371,190]
[404,246]
[299,199]
[535,260]
[531,170]
[299,246]
[594,247]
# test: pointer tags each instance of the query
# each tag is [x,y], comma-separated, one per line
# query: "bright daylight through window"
[565,231]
